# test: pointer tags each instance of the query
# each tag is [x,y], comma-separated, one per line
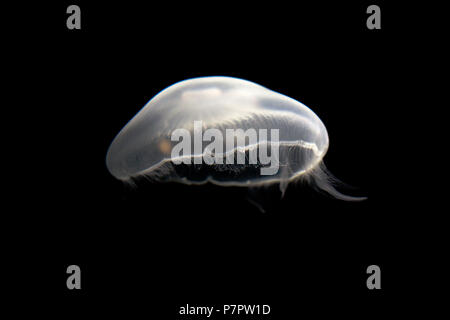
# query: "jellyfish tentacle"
[324,180]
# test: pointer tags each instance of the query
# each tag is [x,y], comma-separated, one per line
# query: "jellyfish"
[226,131]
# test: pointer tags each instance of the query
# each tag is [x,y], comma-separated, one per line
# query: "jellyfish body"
[144,147]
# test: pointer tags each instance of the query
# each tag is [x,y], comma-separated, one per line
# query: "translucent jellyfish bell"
[290,140]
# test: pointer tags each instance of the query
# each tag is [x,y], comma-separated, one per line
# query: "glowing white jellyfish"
[201,113]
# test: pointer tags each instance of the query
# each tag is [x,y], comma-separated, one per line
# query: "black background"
[148,251]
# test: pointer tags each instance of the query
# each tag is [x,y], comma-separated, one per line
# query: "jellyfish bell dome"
[232,131]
